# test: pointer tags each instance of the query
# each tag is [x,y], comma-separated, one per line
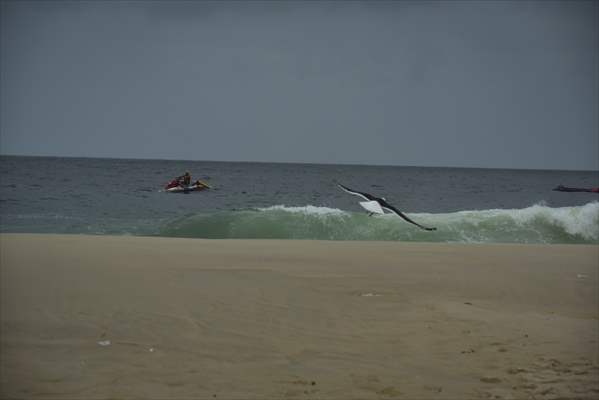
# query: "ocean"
[294,201]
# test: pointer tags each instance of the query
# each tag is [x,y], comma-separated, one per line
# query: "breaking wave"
[535,224]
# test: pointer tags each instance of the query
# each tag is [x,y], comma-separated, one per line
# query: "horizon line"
[295,162]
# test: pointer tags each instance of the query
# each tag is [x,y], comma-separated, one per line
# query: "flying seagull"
[378,204]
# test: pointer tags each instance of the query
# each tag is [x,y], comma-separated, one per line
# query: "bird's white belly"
[372,206]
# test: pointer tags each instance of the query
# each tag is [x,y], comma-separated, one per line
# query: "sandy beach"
[99,317]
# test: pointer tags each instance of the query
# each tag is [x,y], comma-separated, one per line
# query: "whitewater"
[535,224]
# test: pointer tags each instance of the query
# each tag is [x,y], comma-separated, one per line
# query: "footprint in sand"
[550,377]
[490,379]
[389,391]
[304,391]
[372,383]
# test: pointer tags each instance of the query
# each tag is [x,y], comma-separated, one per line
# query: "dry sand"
[127,317]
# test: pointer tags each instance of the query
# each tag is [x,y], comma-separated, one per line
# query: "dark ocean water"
[294,201]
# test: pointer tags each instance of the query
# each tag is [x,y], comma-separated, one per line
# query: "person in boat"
[185,179]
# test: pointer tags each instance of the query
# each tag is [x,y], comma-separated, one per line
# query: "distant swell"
[535,224]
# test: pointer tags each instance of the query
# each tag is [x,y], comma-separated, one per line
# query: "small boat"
[562,188]
[175,187]
[186,189]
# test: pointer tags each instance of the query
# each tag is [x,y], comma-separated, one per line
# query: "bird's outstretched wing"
[389,207]
[363,195]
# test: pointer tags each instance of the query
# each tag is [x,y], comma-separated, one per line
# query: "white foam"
[579,220]
[582,220]
[536,224]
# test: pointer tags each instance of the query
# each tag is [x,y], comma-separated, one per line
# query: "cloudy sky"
[473,84]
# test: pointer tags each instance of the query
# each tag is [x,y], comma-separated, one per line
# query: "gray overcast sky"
[475,84]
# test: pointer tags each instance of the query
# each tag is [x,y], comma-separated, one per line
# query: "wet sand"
[128,317]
